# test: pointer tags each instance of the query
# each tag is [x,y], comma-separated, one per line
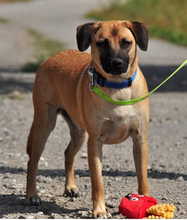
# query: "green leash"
[133,101]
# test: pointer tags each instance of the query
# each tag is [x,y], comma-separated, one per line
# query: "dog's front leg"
[140,153]
[95,167]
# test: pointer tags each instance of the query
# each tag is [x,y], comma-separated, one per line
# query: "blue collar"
[113,85]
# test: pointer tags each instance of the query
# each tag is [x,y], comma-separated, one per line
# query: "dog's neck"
[105,83]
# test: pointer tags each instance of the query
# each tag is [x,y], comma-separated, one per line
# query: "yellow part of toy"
[156,210]
[169,207]
[168,215]
[153,217]
[159,211]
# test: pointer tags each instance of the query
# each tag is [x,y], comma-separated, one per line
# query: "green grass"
[43,49]
[3,20]
[166,19]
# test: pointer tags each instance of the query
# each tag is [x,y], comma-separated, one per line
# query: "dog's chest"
[118,124]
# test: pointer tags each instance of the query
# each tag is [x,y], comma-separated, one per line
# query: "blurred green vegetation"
[44,48]
[2,20]
[166,19]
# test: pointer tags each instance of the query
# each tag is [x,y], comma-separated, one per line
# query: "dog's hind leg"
[78,136]
[43,123]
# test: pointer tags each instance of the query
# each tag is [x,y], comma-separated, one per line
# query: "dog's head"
[113,44]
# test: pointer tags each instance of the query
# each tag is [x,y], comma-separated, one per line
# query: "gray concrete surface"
[58,20]
[55,19]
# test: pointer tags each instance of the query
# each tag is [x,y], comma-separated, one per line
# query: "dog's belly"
[115,137]
[118,129]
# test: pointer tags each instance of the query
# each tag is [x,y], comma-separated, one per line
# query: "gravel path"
[167,136]
[167,163]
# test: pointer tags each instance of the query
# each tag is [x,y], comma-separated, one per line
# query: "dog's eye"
[125,44]
[103,43]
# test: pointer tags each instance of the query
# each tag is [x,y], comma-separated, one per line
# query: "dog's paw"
[35,200]
[102,215]
[71,192]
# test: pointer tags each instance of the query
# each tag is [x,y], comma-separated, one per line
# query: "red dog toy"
[135,206]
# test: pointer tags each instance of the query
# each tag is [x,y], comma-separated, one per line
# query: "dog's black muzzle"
[118,66]
[114,63]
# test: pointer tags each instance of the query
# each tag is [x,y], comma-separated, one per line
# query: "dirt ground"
[167,172]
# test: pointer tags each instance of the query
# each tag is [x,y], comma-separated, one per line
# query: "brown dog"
[62,86]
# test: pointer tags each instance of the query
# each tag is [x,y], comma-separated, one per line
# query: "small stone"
[25,217]
[149,167]
[73,199]
[109,183]
[8,185]
[180,178]
[117,178]
[15,95]
[55,216]
[152,119]
[183,212]
[87,186]
[42,179]
[17,154]
[40,213]
[109,215]
[48,180]
[178,144]
[164,198]
[83,213]
[179,202]
[41,192]
[42,158]
[84,155]
[110,204]
[18,186]
[13,186]
[6,131]
[8,175]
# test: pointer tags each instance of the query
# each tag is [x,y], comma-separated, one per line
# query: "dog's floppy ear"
[140,32]
[85,33]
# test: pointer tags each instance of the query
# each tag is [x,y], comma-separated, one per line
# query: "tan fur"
[62,85]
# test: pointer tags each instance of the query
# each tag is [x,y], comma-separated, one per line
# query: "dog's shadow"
[155,174]
[9,203]
[154,76]
[47,207]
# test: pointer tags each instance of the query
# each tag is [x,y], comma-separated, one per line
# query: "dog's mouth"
[115,66]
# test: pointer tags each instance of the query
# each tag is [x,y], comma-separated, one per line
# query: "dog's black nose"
[116,63]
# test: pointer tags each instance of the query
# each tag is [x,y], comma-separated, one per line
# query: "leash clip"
[90,72]
[130,82]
